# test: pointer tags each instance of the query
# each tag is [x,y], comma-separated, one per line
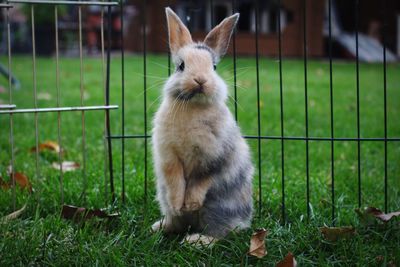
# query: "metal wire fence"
[306,139]
[12,110]
[283,137]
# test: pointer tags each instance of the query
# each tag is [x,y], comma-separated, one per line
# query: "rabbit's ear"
[179,35]
[219,37]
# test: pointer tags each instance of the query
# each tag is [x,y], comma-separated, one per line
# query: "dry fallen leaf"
[377,213]
[48,145]
[66,166]
[288,261]
[13,215]
[334,233]
[20,179]
[257,243]
[78,214]
[23,181]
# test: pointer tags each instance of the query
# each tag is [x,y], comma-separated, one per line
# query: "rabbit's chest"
[195,136]
[196,139]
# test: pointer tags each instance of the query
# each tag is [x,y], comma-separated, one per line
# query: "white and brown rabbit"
[202,163]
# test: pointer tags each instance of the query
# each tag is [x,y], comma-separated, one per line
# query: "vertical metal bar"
[169,53]
[82,103]
[189,15]
[385,100]
[258,112]
[11,115]
[281,110]
[58,105]
[123,101]
[234,64]
[358,104]
[103,69]
[35,89]
[144,18]
[110,159]
[331,111]
[212,13]
[306,106]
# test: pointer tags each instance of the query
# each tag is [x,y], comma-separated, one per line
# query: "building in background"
[200,16]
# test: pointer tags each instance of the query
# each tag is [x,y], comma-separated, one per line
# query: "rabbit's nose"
[200,80]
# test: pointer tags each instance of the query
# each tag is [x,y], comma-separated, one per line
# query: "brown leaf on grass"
[288,261]
[79,214]
[66,166]
[48,145]
[13,215]
[334,233]
[23,181]
[20,179]
[377,213]
[257,243]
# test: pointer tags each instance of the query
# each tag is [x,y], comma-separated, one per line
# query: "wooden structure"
[292,33]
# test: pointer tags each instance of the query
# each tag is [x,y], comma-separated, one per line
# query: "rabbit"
[202,163]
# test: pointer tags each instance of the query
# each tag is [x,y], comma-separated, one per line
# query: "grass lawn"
[40,237]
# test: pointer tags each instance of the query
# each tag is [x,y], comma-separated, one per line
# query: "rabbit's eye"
[215,67]
[181,66]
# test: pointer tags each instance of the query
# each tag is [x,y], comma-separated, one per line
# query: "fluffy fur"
[202,163]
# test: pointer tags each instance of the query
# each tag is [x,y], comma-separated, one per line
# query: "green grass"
[40,237]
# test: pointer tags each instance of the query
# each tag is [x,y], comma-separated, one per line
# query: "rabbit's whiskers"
[142,75]
[178,108]
[152,103]
[176,100]
[157,84]
[241,108]
[238,75]
[160,65]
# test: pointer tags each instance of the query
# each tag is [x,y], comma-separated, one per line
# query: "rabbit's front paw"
[176,205]
[176,210]
[193,201]
[191,206]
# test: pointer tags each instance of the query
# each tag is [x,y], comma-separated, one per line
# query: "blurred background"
[200,16]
